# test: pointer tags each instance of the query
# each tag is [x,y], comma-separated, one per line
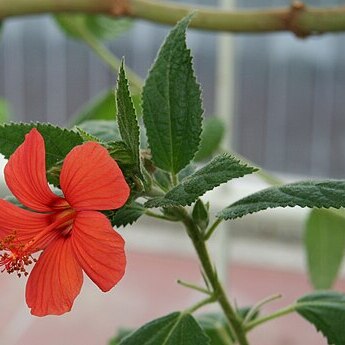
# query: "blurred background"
[286,115]
[288,92]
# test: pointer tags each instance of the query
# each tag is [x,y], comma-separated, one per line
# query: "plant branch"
[114,62]
[300,19]
[108,57]
[199,244]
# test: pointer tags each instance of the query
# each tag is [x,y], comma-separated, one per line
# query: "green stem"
[282,312]
[108,57]
[201,249]
[112,61]
[212,228]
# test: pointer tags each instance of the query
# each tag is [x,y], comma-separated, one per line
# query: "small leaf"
[58,141]
[101,107]
[211,138]
[326,311]
[103,130]
[325,245]
[127,214]
[127,120]
[172,107]
[176,328]
[220,170]
[318,193]
[98,26]
[200,215]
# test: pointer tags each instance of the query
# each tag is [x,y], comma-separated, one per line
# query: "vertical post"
[224,91]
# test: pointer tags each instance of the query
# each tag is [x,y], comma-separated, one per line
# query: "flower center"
[64,220]
[14,257]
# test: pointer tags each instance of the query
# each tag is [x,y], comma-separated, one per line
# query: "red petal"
[25,174]
[24,224]
[91,180]
[98,248]
[55,281]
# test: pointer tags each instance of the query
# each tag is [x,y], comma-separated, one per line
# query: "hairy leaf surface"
[172,107]
[318,194]
[221,169]
[127,120]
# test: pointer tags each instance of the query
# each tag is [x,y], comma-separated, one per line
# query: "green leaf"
[127,214]
[318,193]
[98,26]
[172,329]
[127,120]
[103,130]
[211,138]
[5,112]
[200,215]
[172,107]
[101,107]
[120,152]
[325,246]
[58,141]
[326,311]
[221,169]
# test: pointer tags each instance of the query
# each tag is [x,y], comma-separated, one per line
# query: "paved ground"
[147,291]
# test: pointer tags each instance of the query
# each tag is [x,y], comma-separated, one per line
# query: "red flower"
[74,237]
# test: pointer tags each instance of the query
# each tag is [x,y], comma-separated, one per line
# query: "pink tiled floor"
[149,290]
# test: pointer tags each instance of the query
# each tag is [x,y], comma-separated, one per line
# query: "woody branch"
[299,19]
